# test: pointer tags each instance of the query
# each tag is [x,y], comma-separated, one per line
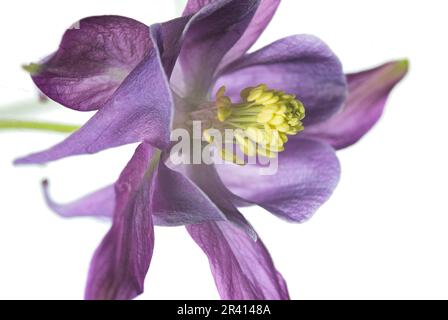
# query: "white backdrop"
[382,235]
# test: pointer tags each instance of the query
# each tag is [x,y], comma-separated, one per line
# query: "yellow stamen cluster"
[265,118]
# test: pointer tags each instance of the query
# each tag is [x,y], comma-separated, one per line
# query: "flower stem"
[35,125]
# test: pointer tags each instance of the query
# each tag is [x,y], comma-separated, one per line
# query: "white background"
[382,235]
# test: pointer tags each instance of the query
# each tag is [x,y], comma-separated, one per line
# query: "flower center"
[261,122]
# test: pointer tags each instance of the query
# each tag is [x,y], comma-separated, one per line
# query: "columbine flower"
[290,97]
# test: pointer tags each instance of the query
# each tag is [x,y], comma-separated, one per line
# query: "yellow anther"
[223,102]
[276,148]
[273,100]
[265,116]
[288,97]
[230,156]
[266,98]
[246,145]
[285,128]
[207,137]
[254,95]
[277,120]
[255,134]
[274,108]
[275,140]
[224,112]
[221,92]
[266,152]
[281,109]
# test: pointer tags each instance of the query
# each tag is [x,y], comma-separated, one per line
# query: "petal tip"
[18,162]
[21,161]
[45,183]
[30,160]
[32,68]
[403,65]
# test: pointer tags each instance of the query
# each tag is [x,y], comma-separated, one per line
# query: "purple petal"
[308,172]
[178,201]
[259,22]
[242,267]
[175,200]
[93,59]
[120,263]
[140,110]
[210,34]
[168,36]
[207,179]
[193,6]
[302,65]
[367,95]
[98,204]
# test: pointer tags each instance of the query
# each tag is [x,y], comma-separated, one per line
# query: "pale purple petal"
[100,203]
[167,37]
[193,6]
[93,59]
[209,35]
[140,110]
[367,95]
[259,22]
[242,267]
[302,65]
[207,179]
[120,263]
[308,172]
[176,200]
[171,205]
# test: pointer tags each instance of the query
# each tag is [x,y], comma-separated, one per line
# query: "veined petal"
[140,110]
[259,22]
[175,200]
[209,35]
[93,59]
[97,204]
[120,263]
[308,172]
[168,36]
[367,95]
[302,65]
[242,267]
[207,179]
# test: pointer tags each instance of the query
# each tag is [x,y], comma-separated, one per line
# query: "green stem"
[41,126]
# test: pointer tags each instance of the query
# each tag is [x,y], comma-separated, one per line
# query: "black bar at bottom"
[197,310]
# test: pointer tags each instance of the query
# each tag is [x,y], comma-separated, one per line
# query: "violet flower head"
[291,97]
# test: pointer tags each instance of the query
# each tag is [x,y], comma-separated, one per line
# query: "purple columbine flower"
[146,81]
